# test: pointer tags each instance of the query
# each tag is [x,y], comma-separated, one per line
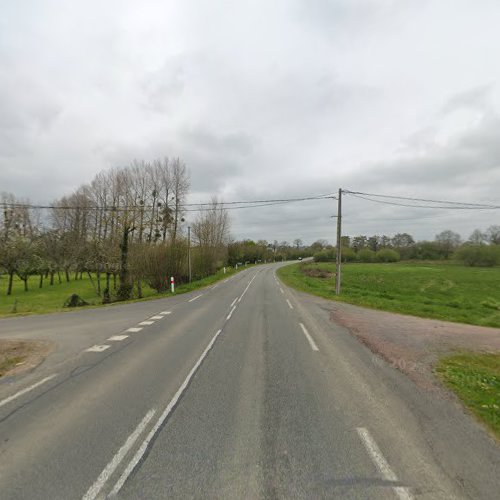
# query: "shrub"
[325,255]
[348,254]
[387,255]
[366,255]
[479,255]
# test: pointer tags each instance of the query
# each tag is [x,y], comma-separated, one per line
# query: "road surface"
[242,390]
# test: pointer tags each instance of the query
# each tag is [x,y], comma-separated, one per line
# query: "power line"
[219,206]
[449,205]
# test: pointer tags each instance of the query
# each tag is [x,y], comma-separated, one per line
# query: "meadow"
[51,298]
[446,291]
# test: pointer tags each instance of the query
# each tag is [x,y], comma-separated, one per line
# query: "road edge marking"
[313,345]
[381,463]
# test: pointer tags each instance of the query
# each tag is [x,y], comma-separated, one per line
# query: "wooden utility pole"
[189,253]
[338,259]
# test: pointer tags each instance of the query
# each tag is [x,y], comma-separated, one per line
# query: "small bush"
[366,255]
[479,255]
[325,255]
[387,255]
[348,254]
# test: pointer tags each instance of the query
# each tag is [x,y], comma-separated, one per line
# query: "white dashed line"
[195,298]
[231,313]
[156,317]
[134,329]
[120,455]
[382,464]
[146,323]
[164,313]
[117,338]
[233,302]
[281,290]
[144,446]
[98,348]
[289,304]
[313,345]
[28,389]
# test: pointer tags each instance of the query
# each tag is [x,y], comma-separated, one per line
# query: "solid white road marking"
[195,298]
[144,446]
[233,302]
[231,313]
[133,329]
[166,312]
[28,389]
[248,286]
[146,323]
[313,345]
[156,317]
[289,304]
[98,348]
[382,464]
[117,338]
[281,290]
[116,460]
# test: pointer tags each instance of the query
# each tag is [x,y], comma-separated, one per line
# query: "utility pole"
[338,260]
[189,253]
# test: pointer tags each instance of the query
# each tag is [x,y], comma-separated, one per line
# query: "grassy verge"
[431,290]
[51,298]
[475,378]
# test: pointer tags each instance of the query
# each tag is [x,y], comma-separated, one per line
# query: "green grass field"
[475,378]
[444,291]
[51,298]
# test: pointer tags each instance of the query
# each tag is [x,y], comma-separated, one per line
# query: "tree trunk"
[67,274]
[114,281]
[139,288]
[52,273]
[125,288]
[11,279]
[25,284]
[41,281]
[98,282]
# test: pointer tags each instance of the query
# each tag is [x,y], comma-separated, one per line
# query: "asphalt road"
[242,390]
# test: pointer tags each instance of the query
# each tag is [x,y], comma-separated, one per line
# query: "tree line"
[124,228]
[481,248]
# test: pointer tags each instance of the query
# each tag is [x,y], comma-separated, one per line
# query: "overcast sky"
[262,99]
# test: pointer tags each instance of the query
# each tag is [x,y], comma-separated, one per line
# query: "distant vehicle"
[300,258]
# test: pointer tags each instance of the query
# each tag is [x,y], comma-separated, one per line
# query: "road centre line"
[195,298]
[146,323]
[248,286]
[233,302]
[313,345]
[164,313]
[27,389]
[289,304]
[144,446]
[381,463]
[281,290]
[98,348]
[156,317]
[231,313]
[117,338]
[94,490]
[134,329]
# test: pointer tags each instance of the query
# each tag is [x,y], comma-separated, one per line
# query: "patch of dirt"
[316,272]
[17,356]
[412,344]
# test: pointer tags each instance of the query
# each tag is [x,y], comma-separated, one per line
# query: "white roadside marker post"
[172,284]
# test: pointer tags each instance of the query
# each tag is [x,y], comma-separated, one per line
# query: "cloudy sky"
[262,99]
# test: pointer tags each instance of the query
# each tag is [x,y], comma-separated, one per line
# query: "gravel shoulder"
[410,344]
